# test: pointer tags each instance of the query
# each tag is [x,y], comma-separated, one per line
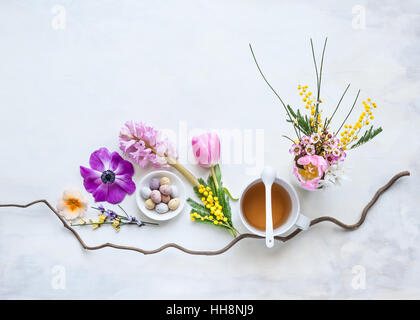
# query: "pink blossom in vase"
[313,169]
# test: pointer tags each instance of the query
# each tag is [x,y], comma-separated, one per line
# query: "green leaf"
[223,195]
[368,135]
[198,207]
[230,196]
[201,180]
[224,202]
[210,183]
[227,210]
[291,111]
[303,122]
[210,222]
[198,194]
[218,175]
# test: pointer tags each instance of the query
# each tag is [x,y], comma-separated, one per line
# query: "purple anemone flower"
[109,177]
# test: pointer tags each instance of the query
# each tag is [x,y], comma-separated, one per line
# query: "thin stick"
[272,89]
[318,80]
[288,138]
[354,103]
[320,69]
[234,241]
[336,108]
[213,174]
[124,211]
[316,68]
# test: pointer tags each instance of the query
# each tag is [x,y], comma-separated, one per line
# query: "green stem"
[272,89]
[108,222]
[230,195]
[213,174]
[354,103]
[288,138]
[320,69]
[336,108]
[318,81]
[123,211]
[231,229]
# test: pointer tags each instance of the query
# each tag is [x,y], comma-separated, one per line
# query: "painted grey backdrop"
[68,82]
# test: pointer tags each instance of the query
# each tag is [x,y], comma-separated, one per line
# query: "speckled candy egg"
[165,180]
[156,196]
[165,198]
[145,192]
[161,208]
[174,204]
[154,184]
[174,192]
[149,204]
[165,189]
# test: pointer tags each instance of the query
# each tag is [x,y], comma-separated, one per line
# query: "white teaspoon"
[268,175]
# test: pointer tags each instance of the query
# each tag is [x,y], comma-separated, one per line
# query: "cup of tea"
[285,208]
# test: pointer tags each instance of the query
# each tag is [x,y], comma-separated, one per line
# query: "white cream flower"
[72,205]
[334,175]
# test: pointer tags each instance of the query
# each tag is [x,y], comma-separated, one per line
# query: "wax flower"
[109,177]
[316,138]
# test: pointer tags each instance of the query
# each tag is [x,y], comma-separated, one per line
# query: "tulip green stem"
[213,174]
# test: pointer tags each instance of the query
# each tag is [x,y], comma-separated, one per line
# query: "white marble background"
[66,92]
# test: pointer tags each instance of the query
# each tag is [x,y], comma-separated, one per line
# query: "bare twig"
[230,244]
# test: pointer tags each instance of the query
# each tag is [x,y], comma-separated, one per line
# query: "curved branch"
[230,244]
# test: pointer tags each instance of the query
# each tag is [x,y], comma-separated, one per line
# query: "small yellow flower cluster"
[102,219]
[350,133]
[307,98]
[211,202]
[116,224]
[216,220]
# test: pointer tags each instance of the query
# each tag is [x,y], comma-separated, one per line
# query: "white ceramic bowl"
[175,181]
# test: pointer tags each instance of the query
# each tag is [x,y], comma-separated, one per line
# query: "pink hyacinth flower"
[206,149]
[314,168]
[144,144]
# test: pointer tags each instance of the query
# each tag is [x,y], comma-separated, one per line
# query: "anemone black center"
[108,176]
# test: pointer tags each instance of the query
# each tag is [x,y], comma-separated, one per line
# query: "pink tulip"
[314,168]
[206,148]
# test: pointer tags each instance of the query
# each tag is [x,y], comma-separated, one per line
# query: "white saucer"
[175,181]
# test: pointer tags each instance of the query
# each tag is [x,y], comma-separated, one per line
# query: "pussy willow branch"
[230,244]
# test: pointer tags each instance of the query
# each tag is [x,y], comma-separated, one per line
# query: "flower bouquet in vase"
[319,148]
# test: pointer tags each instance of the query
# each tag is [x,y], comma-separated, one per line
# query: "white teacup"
[295,219]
